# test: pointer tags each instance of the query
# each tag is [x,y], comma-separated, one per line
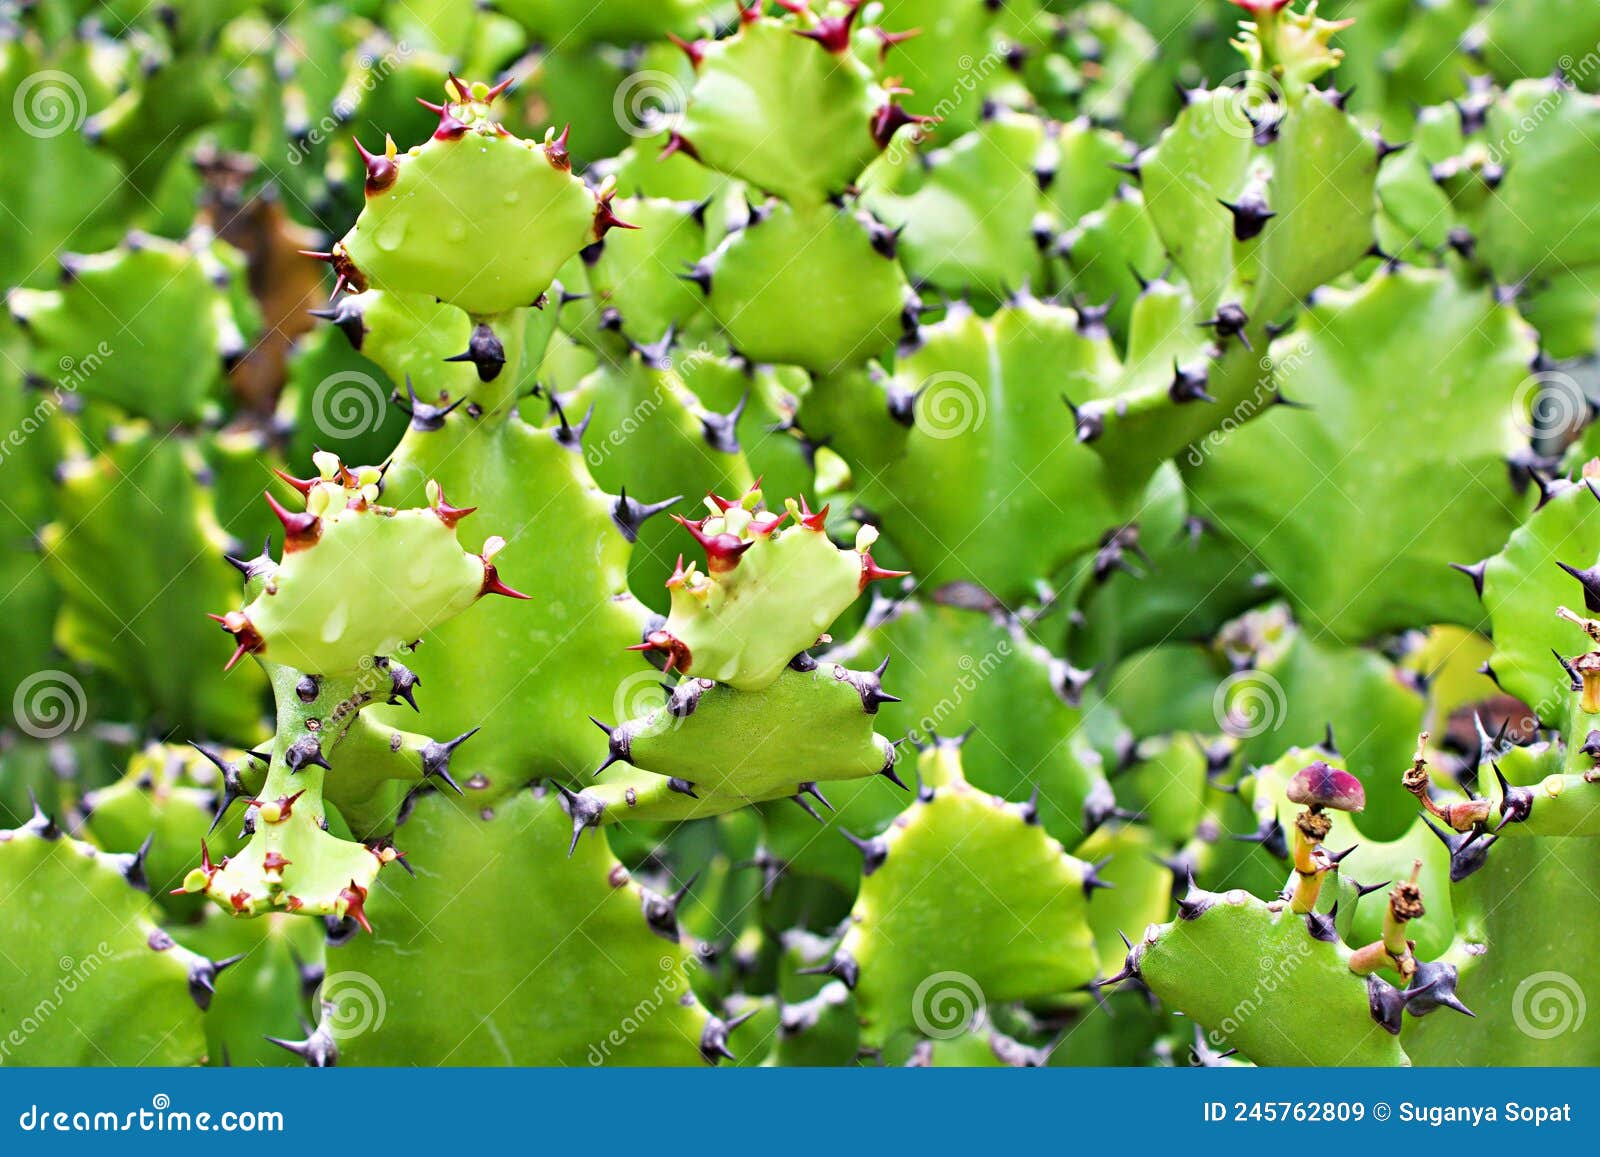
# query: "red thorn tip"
[493,586]
[832,32]
[677,653]
[240,900]
[244,633]
[499,90]
[765,526]
[677,576]
[677,143]
[722,550]
[605,220]
[205,859]
[719,502]
[299,530]
[871,571]
[435,109]
[695,50]
[316,255]
[355,904]
[890,39]
[450,515]
[557,152]
[274,862]
[381,169]
[303,485]
[749,15]
[817,521]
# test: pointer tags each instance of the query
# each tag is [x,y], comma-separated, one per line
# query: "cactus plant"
[993,533]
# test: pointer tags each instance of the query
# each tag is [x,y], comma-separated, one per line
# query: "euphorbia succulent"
[973,509]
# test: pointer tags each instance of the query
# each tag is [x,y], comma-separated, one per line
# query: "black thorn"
[1516,803]
[721,431]
[485,352]
[1092,881]
[305,752]
[629,514]
[841,966]
[1473,571]
[436,759]
[873,851]
[1250,216]
[585,811]
[618,744]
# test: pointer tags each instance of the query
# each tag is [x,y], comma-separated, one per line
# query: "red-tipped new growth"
[872,572]
[723,551]
[891,118]
[299,530]
[245,635]
[677,653]
[555,150]
[491,578]
[695,50]
[604,219]
[449,515]
[354,901]
[382,170]
[832,32]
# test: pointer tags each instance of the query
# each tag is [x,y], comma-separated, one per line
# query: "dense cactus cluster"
[969,490]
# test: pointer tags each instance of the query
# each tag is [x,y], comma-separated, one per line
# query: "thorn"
[619,740]
[1091,872]
[299,530]
[1188,384]
[714,1037]
[426,417]
[721,431]
[585,811]
[1590,579]
[382,171]
[1473,571]
[305,752]
[1516,803]
[1250,216]
[485,351]
[661,912]
[873,851]
[841,966]
[629,515]
[318,1050]
[435,758]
